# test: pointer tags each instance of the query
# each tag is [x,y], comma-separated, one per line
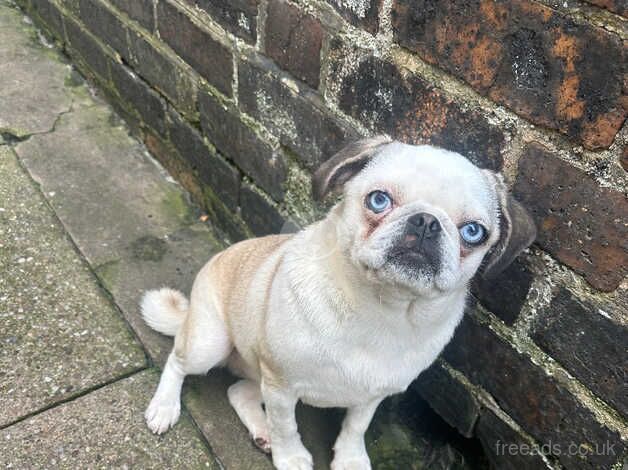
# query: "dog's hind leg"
[201,343]
[246,399]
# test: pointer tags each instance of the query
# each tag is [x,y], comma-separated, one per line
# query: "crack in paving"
[71,398]
[14,137]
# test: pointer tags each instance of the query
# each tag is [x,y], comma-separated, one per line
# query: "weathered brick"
[236,16]
[505,447]
[221,218]
[260,216]
[121,106]
[580,222]
[616,6]
[225,220]
[294,40]
[363,13]
[591,346]
[212,171]
[525,55]
[449,398]
[301,126]
[237,141]
[143,11]
[195,45]
[164,73]
[88,49]
[174,164]
[140,96]
[506,294]
[51,16]
[106,26]
[535,400]
[413,110]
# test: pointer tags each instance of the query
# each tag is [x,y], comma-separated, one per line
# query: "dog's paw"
[298,458]
[297,462]
[161,416]
[360,462]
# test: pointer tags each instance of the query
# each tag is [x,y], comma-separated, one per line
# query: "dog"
[350,309]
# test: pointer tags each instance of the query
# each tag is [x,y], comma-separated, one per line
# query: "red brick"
[210,169]
[235,140]
[505,447]
[236,16]
[457,406]
[580,222]
[412,110]
[261,217]
[196,46]
[88,50]
[106,26]
[516,280]
[538,62]
[141,97]
[293,40]
[535,400]
[364,14]
[588,344]
[165,74]
[303,127]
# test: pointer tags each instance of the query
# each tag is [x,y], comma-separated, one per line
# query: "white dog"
[349,310]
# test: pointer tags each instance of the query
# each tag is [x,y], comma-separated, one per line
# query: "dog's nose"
[424,225]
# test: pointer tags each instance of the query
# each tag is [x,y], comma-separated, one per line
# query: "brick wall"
[242,99]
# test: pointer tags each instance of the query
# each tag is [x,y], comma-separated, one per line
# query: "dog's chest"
[368,361]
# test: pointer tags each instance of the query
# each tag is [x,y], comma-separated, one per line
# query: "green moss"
[108,273]
[394,448]
[225,220]
[175,205]
[73,79]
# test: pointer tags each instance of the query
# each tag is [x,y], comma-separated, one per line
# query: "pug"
[350,309]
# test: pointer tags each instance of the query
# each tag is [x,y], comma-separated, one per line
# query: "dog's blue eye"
[473,233]
[378,201]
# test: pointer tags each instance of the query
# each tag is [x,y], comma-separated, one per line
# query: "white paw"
[297,462]
[358,462]
[298,459]
[160,415]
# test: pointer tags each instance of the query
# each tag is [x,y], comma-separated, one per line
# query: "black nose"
[424,225]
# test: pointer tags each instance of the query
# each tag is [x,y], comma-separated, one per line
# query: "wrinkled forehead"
[432,175]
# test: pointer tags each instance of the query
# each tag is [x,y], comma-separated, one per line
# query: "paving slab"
[104,429]
[22,68]
[102,184]
[59,334]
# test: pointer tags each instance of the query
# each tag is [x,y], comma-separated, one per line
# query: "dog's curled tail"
[164,310]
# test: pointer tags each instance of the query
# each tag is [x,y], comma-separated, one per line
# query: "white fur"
[340,324]
[164,310]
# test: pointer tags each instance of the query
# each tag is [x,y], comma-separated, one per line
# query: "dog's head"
[421,217]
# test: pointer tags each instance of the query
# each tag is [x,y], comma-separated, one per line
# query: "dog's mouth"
[408,254]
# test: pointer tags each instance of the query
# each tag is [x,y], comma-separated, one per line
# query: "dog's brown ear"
[340,168]
[517,231]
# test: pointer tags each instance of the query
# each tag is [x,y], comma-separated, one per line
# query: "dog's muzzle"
[419,247]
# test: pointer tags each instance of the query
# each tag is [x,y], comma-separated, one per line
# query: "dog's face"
[421,218]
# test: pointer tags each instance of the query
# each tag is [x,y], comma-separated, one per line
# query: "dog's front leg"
[288,451]
[349,449]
